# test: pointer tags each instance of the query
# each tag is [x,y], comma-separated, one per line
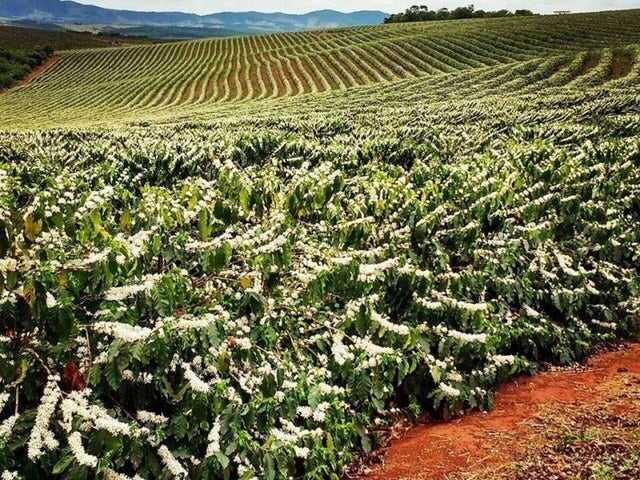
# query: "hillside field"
[27,38]
[157,81]
[245,258]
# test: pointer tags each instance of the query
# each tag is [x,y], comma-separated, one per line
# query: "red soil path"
[437,451]
[38,70]
[620,66]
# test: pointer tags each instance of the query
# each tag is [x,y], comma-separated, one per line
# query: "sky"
[303,6]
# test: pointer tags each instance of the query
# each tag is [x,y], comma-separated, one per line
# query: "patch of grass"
[571,437]
[597,439]
[611,469]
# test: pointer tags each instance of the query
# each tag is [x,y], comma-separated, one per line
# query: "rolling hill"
[24,38]
[64,12]
[147,81]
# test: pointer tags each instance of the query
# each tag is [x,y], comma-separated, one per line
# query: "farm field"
[247,257]
[27,38]
[215,76]
[27,52]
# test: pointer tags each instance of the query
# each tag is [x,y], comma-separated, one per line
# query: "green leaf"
[112,374]
[224,361]
[136,454]
[245,199]
[76,472]
[95,375]
[424,343]
[179,426]
[330,445]
[314,398]
[204,228]
[223,459]
[62,464]
[32,227]
[269,466]
[247,475]
[96,219]
[222,256]
[366,443]
[96,442]
[125,220]
[435,373]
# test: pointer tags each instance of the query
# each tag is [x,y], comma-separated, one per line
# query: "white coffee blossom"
[7,425]
[214,438]
[173,465]
[449,391]
[82,457]
[196,383]
[150,417]
[41,438]
[301,452]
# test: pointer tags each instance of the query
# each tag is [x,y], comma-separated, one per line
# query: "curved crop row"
[176,77]
[261,295]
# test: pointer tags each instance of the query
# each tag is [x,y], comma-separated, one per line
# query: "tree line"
[17,64]
[422,13]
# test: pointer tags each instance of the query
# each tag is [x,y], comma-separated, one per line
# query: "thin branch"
[121,407]
[39,358]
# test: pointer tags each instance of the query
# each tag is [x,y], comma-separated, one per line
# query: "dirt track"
[479,440]
[39,70]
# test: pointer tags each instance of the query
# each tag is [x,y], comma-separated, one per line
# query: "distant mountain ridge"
[58,11]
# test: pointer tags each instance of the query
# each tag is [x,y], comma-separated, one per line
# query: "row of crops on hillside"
[205,74]
[23,38]
[261,298]
[586,84]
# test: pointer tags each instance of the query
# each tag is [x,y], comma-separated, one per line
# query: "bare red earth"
[437,450]
[38,70]
[620,66]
